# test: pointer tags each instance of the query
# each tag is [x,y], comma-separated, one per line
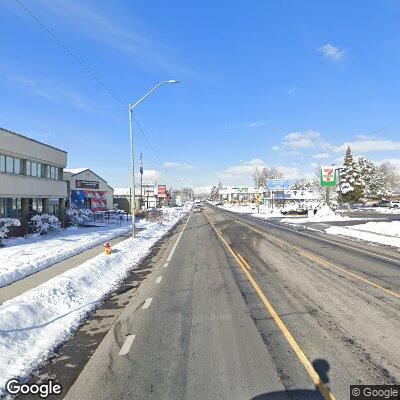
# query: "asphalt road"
[252,310]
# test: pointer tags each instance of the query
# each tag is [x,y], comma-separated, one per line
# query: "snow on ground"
[25,256]
[34,323]
[324,214]
[264,211]
[386,233]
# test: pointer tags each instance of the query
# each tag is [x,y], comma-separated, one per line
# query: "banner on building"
[95,200]
[328,176]
[82,184]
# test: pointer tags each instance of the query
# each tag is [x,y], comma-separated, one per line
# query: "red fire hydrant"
[107,248]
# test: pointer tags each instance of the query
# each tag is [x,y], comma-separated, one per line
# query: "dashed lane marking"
[147,303]
[127,345]
[158,280]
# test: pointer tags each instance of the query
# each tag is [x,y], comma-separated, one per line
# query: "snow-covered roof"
[75,171]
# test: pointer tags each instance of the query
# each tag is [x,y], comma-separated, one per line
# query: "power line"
[94,76]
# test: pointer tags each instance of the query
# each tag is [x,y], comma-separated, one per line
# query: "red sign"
[162,191]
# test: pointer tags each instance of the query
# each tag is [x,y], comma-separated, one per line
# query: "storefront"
[88,190]
[31,178]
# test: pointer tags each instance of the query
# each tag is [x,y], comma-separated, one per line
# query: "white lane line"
[176,243]
[165,265]
[127,345]
[158,280]
[147,303]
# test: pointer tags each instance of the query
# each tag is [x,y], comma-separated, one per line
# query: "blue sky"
[278,83]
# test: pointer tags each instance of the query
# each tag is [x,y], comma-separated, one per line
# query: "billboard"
[162,191]
[82,184]
[278,184]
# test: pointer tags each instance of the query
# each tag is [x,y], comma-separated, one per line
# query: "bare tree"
[262,175]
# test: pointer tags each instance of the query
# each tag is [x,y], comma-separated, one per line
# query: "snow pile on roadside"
[325,212]
[37,321]
[242,209]
[386,233]
[23,257]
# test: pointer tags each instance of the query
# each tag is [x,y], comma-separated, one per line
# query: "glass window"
[43,171]
[2,164]
[39,170]
[17,166]
[9,164]
[28,168]
[2,208]
[52,172]
[33,169]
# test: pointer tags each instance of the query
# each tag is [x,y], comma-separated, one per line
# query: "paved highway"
[242,309]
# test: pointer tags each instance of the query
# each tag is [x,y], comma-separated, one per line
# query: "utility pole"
[130,109]
[141,180]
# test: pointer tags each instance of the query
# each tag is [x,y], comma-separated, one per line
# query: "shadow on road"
[321,366]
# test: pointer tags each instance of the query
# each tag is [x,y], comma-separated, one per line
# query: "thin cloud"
[366,145]
[300,140]
[332,52]
[126,40]
[50,90]
[180,166]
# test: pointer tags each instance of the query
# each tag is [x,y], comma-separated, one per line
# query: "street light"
[130,108]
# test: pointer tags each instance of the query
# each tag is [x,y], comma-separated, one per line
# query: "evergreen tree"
[371,178]
[351,185]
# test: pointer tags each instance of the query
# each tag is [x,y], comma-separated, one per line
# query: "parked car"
[394,204]
[382,203]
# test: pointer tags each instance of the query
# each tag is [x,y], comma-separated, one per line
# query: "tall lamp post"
[130,109]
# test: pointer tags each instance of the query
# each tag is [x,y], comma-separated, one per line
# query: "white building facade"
[31,177]
[88,190]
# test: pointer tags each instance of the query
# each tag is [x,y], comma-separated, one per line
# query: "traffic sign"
[278,184]
[328,176]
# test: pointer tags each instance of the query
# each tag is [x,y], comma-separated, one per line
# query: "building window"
[2,164]
[28,168]
[10,165]
[10,208]
[17,166]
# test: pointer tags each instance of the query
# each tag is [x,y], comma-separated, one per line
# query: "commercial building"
[31,178]
[245,194]
[240,194]
[152,195]
[88,190]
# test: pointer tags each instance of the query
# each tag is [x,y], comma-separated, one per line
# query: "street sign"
[257,198]
[328,176]
[278,184]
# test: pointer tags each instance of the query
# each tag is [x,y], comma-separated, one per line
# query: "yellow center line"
[320,260]
[245,263]
[319,384]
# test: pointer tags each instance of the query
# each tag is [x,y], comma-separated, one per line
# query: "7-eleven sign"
[328,176]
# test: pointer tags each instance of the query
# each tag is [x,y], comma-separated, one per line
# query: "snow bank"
[37,321]
[386,233]
[23,257]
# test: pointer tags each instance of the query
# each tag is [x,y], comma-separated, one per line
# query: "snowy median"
[34,323]
[386,233]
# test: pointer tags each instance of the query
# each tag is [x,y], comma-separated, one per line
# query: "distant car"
[197,208]
[394,204]
[382,203]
